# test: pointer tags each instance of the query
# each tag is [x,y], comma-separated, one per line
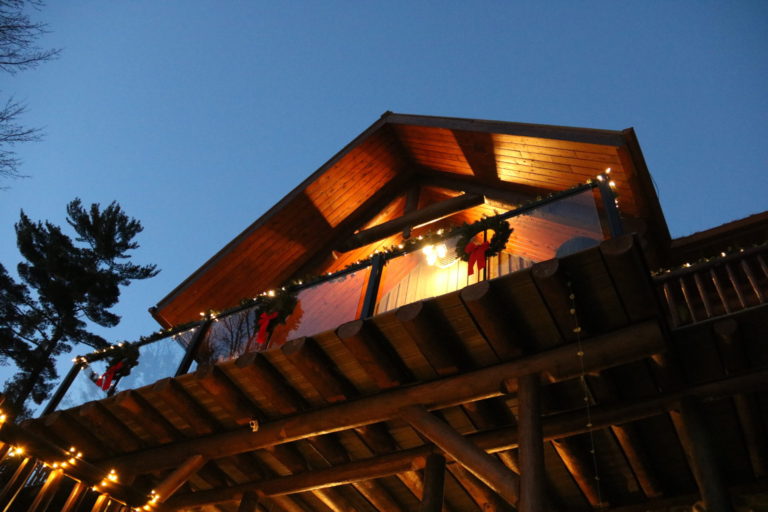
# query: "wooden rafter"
[429,213]
[621,346]
[563,425]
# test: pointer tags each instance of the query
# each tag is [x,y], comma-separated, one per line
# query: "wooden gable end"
[368,182]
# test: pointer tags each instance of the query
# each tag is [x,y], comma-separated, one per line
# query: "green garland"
[498,242]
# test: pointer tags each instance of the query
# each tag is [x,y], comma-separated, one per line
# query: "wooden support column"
[747,405]
[531,444]
[697,444]
[484,466]
[434,483]
[178,477]
[47,491]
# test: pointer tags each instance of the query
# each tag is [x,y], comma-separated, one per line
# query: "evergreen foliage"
[64,285]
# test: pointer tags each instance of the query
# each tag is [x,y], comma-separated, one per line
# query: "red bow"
[476,256]
[106,379]
[264,320]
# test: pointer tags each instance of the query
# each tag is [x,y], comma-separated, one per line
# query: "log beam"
[491,317]
[582,470]
[439,345]
[178,477]
[618,347]
[429,213]
[499,440]
[375,355]
[484,466]
[250,503]
[482,495]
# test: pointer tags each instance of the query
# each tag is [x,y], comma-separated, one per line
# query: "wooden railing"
[721,286]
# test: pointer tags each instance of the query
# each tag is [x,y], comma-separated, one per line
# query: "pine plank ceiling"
[365,184]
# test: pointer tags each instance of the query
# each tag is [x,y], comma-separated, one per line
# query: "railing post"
[53,403]
[372,290]
[611,210]
[186,362]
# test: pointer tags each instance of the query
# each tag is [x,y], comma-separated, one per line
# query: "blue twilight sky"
[198,115]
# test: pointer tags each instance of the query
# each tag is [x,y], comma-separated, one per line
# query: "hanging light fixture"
[440,255]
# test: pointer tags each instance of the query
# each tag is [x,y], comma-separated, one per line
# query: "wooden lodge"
[347,352]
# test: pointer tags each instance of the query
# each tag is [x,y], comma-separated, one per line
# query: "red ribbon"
[476,256]
[264,320]
[106,379]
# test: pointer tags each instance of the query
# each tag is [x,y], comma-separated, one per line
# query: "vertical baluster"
[46,492]
[752,281]
[703,294]
[737,289]
[75,497]
[101,503]
[688,301]
[719,288]
[12,488]
[671,304]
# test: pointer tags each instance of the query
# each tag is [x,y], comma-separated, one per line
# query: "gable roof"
[365,182]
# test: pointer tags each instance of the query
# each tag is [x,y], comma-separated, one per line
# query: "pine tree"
[64,285]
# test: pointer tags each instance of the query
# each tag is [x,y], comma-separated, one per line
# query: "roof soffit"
[345,193]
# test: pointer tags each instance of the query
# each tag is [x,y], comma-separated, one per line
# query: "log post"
[484,466]
[747,405]
[697,444]
[531,444]
[434,482]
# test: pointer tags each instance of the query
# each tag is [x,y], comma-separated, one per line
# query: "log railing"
[715,288]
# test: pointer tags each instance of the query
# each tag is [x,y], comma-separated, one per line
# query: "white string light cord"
[585,388]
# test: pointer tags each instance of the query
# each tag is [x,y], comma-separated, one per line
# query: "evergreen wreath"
[501,234]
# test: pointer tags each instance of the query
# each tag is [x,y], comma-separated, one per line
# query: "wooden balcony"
[627,409]
[716,288]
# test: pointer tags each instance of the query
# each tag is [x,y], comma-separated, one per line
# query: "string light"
[583,380]
[435,238]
